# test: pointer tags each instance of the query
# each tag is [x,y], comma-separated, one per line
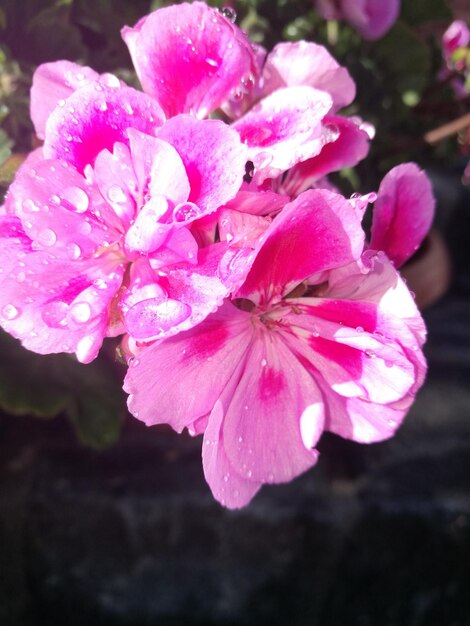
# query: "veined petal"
[262,433]
[189,57]
[403,212]
[163,378]
[283,129]
[317,231]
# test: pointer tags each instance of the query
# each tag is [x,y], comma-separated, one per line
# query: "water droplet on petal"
[116,194]
[47,237]
[54,314]
[185,211]
[73,251]
[359,329]
[229,13]
[78,198]
[29,206]
[80,312]
[10,312]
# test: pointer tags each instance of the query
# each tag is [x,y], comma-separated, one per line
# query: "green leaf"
[46,385]
[415,12]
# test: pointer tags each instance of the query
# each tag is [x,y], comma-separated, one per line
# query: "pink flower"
[192,59]
[97,237]
[456,36]
[371,18]
[318,337]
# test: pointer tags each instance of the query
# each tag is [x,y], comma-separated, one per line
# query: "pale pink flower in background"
[456,36]
[317,338]
[371,18]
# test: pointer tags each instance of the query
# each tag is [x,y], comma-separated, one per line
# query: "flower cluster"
[195,219]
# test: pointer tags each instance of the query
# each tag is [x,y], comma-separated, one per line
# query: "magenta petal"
[163,378]
[97,116]
[403,212]
[317,231]
[263,435]
[52,84]
[189,57]
[350,147]
[306,63]
[213,156]
[283,129]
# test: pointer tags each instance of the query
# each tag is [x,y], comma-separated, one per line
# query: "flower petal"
[52,84]
[350,147]
[96,116]
[283,129]
[262,434]
[305,63]
[403,212]
[189,57]
[317,231]
[162,379]
[213,156]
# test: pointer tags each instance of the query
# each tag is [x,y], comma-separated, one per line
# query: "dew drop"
[264,363]
[229,13]
[29,206]
[54,314]
[116,194]
[80,312]
[78,198]
[61,102]
[359,329]
[10,312]
[73,251]
[369,353]
[47,237]
[185,211]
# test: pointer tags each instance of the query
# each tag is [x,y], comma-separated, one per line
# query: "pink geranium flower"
[371,18]
[98,215]
[320,336]
[192,59]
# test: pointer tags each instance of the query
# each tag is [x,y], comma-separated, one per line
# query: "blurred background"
[104,521]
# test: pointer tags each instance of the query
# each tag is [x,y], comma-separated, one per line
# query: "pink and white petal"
[305,63]
[354,362]
[52,84]
[284,129]
[162,380]
[227,485]
[257,202]
[241,228]
[189,57]
[194,291]
[350,147]
[180,245]
[403,212]
[58,210]
[275,416]
[159,168]
[318,231]
[371,18]
[213,156]
[116,180]
[55,306]
[102,114]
